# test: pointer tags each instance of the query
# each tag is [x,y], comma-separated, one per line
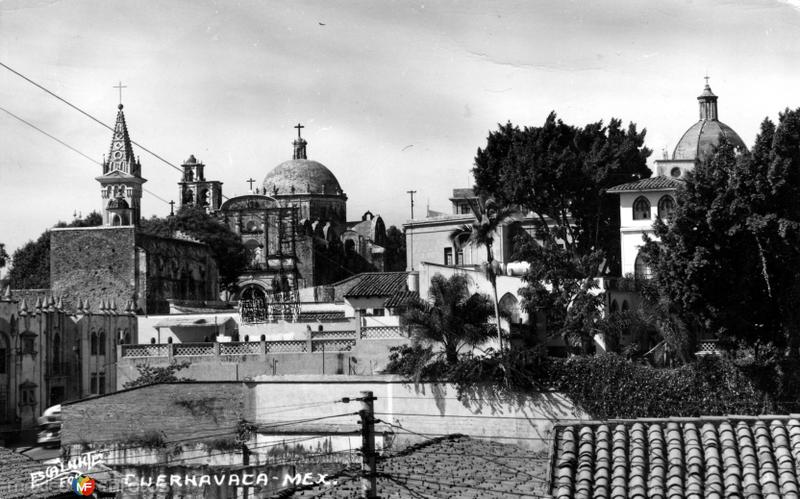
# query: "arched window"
[169,340]
[152,341]
[641,209]
[510,305]
[614,306]
[93,343]
[101,343]
[246,338]
[641,270]
[263,337]
[666,207]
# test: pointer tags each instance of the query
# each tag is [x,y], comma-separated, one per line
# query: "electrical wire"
[71,148]
[73,106]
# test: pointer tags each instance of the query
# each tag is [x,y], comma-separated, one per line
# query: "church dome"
[301,176]
[701,138]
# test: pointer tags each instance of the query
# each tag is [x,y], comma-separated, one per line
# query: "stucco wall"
[368,357]
[411,412]
[631,231]
[427,409]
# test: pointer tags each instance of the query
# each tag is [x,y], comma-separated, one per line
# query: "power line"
[69,146]
[73,106]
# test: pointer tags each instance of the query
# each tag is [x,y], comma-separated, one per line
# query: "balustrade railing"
[192,349]
[707,347]
[328,341]
[379,333]
[288,346]
[237,348]
[159,350]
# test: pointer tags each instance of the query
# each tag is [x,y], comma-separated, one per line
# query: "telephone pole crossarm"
[369,470]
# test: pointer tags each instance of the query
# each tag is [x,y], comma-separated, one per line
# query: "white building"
[642,201]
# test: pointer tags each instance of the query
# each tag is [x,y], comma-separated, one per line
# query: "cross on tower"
[706,77]
[171,208]
[250,181]
[120,86]
[299,127]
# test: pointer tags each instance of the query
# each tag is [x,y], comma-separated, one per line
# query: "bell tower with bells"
[196,190]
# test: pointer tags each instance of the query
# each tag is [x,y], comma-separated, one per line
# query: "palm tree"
[489,217]
[452,316]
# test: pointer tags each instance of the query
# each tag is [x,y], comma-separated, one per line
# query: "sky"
[394,95]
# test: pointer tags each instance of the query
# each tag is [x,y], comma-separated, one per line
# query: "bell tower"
[196,190]
[121,181]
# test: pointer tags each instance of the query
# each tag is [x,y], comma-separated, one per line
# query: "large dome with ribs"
[703,137]
[301,176]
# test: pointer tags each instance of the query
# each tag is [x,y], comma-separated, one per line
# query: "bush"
[609,386]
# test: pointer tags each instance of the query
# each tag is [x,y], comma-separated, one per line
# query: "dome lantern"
[708,103]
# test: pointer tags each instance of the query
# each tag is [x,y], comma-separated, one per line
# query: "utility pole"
[412,202]
[369,487]
[368,471]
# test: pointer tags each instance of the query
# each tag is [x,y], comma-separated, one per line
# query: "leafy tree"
[226,246]
[489,217]
[728,261]
[3,255]
[30,264]
[395,249]
[559,174]
[149,375]
[452,318]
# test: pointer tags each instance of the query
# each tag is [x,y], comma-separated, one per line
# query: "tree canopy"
[560,173]
[728,261]
[395,255]
[226,246]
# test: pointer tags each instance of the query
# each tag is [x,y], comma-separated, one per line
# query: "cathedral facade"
[294,227]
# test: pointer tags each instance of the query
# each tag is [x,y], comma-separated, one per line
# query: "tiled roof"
[401,299]
[647,184]
[378,284]
[711,457]
[455,466]
[15,476]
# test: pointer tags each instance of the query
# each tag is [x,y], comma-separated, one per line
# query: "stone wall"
[94,263]
[176,269]
[176,411]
